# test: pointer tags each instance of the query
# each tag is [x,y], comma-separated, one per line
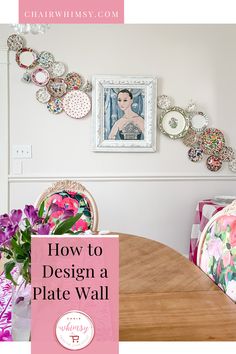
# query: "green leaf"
[87,213]
[64,194]
[16,248]
[25,270]
[28,232]
[27,222]
[19,258]
[7,269]
[41,209]
[6,250]
[78,197]
[26,247]
[222,279]
[223,236]
[23,235]
[233,251]
[66,225]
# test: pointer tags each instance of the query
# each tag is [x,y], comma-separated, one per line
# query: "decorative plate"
[225,198]
[26,58]
[87,86]
[232,165]
[45,59]
[40,76]
[73,81]
[213,163]
[195,154]
[174,123]
[212,140]
[225,154]
[164,102]
[191,138]
[192,107]
[198,121]
[42,95]
[55,105]
[26,77]
[56,87]
[58,69]
[76,104]
[15,42]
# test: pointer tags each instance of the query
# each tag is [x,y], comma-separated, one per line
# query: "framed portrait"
[124,113]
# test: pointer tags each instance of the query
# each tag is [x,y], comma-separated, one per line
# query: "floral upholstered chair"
[73,198]
[217,250]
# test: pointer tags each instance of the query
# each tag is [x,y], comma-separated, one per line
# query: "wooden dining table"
[165,297]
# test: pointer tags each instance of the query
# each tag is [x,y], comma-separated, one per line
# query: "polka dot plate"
[76,104]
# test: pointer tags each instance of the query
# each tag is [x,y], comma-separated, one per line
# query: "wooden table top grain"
[165,297]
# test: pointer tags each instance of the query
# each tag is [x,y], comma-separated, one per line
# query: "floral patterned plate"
[45,59]
[55,105]
[232,165]
[15,42]
[42,95]
[213,163]
[164,102]
[174,123]
[195,154]
[87,86]
[40,76]
[191,138]
[58,69]
[226,154]
[212,140]
[26,58]
[74,81]
[76,104]
[56,87]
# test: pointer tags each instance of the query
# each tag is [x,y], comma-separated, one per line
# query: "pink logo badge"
[74,330]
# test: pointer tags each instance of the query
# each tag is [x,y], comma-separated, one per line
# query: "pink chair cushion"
[218,254]
[74,201]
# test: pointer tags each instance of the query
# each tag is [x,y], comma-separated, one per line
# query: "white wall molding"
[4,125]
[124,178]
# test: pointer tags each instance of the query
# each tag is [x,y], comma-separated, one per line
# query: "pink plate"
[40,76]
[76,104]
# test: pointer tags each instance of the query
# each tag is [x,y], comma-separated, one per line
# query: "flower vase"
[21,310]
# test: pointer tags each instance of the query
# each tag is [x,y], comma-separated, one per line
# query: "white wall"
[158,201]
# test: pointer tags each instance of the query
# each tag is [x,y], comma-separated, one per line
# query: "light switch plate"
[22,151]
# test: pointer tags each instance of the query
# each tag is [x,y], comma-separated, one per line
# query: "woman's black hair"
[126,91]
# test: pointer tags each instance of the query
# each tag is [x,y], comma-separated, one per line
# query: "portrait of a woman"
[125,121]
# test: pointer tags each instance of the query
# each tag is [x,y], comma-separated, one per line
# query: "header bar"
[71,11]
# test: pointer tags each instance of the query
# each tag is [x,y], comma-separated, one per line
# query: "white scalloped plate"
[224,198]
